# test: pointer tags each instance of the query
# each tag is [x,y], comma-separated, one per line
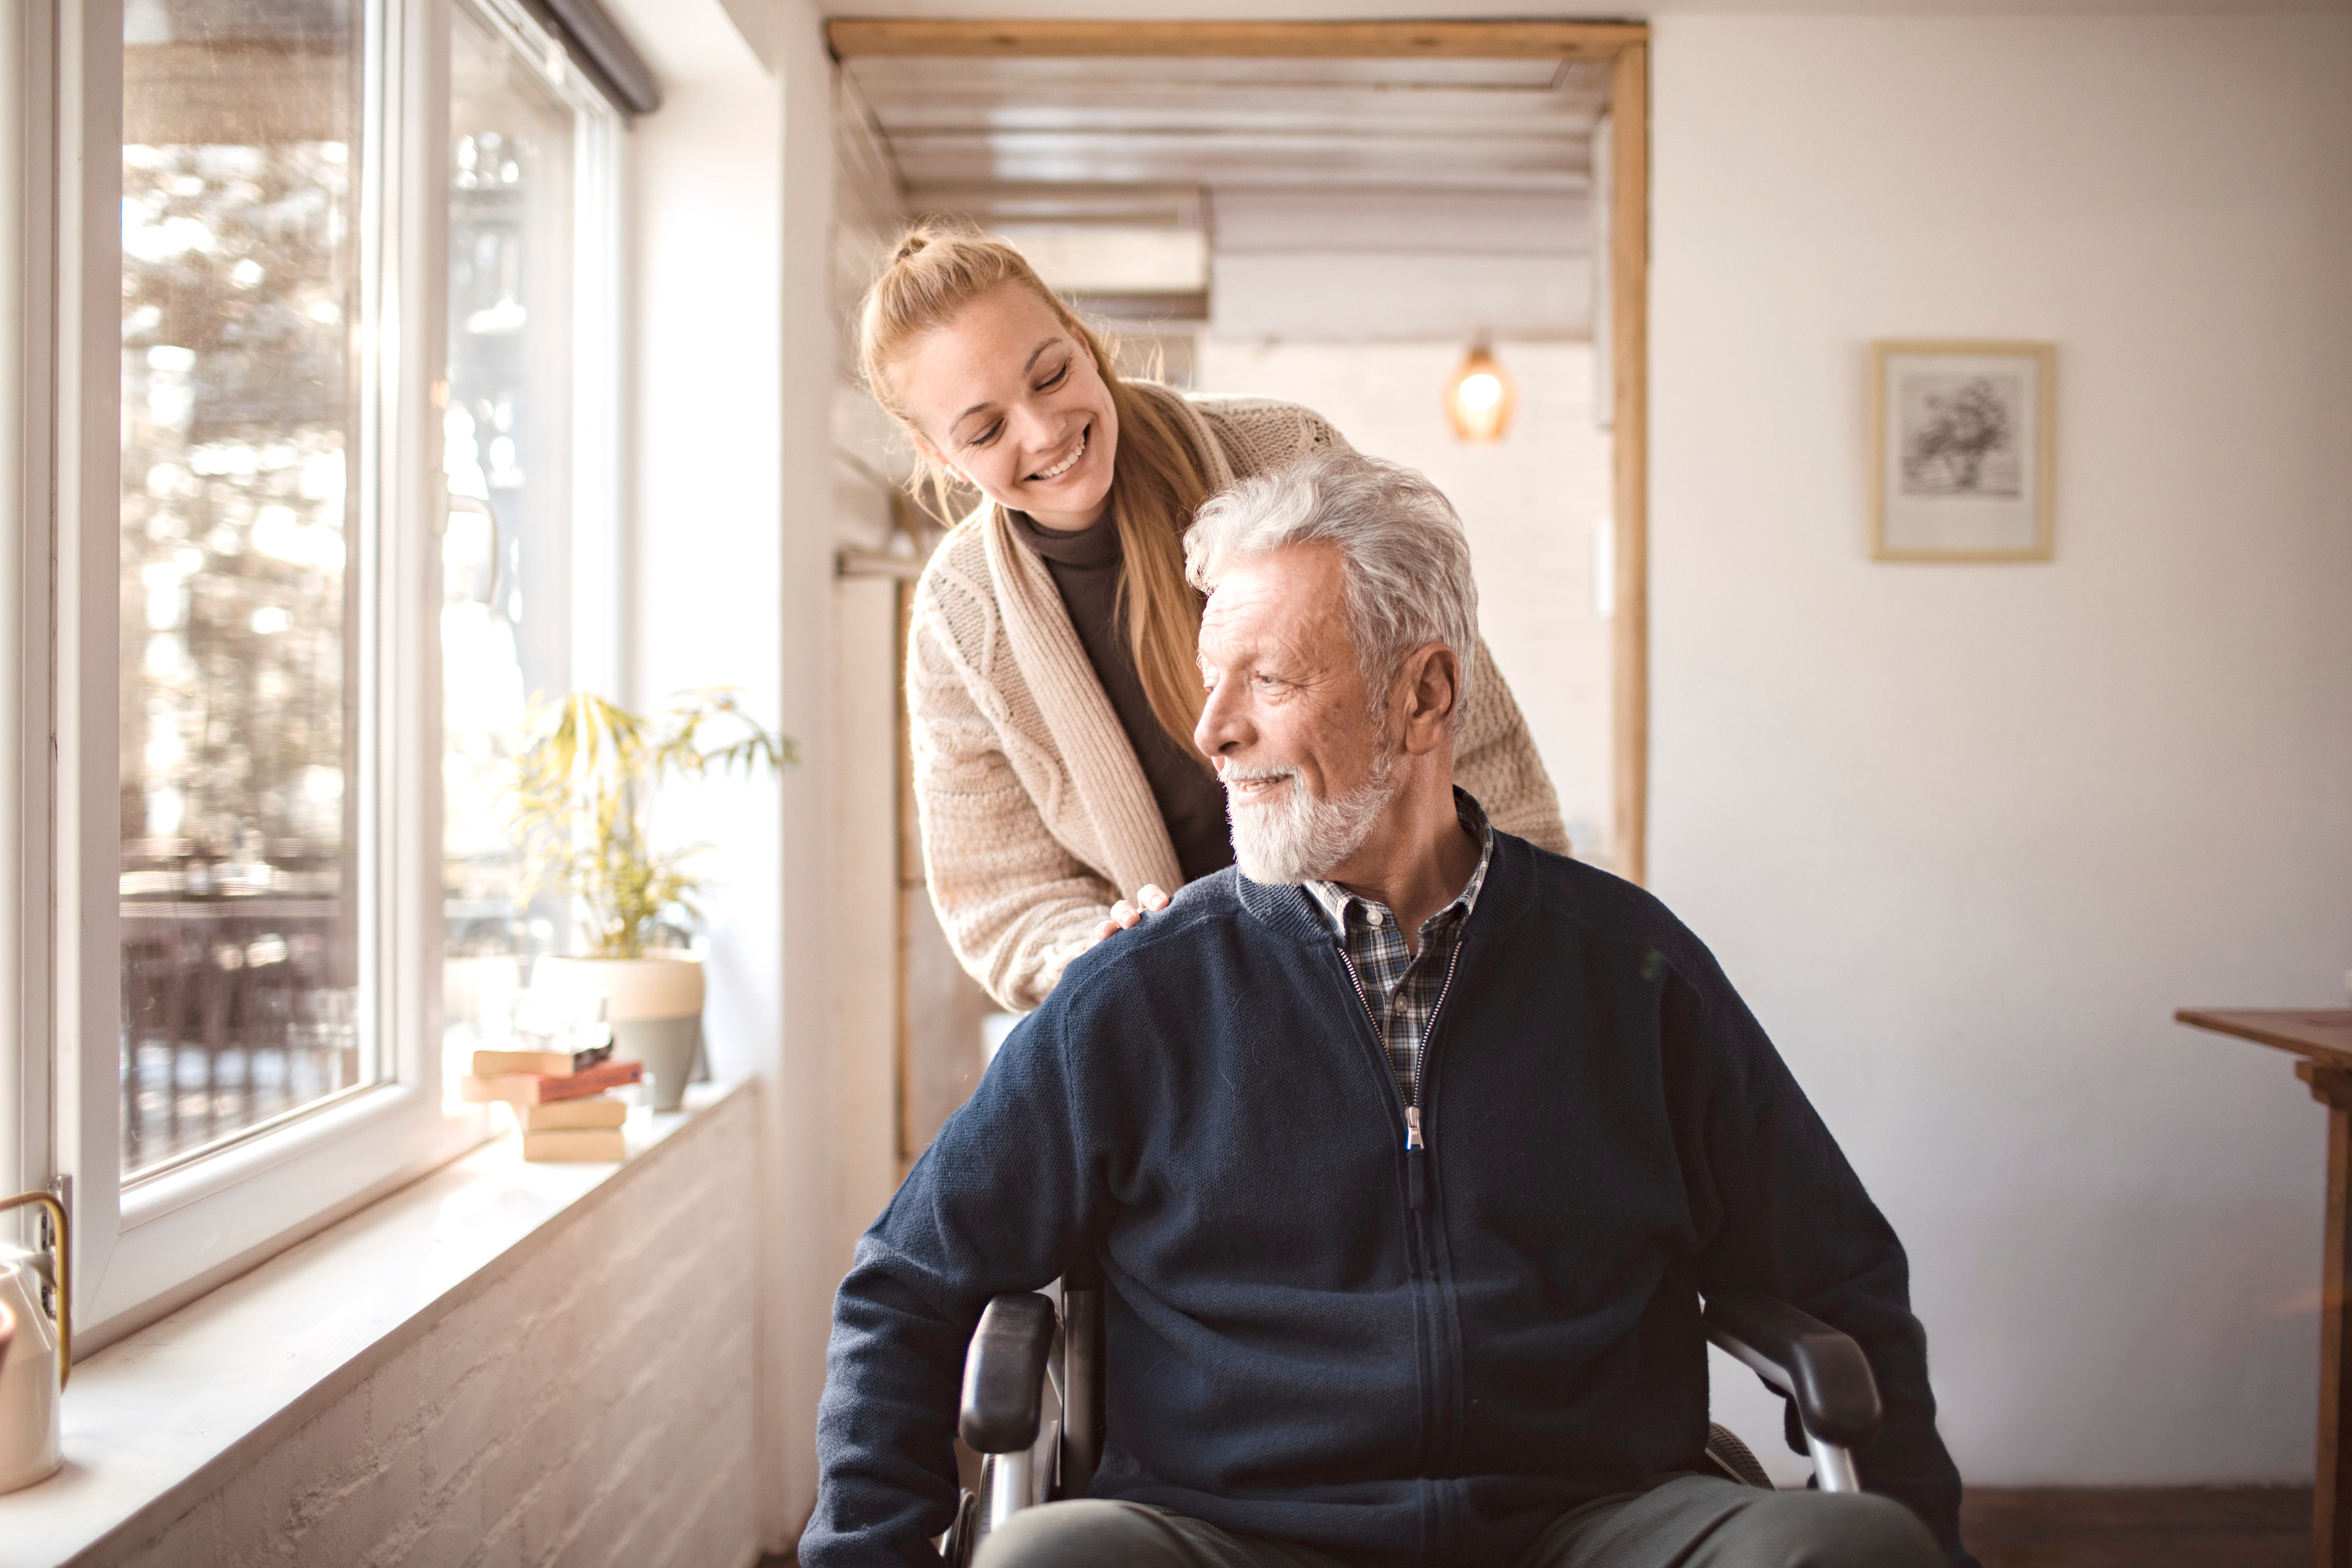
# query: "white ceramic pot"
[654,1004]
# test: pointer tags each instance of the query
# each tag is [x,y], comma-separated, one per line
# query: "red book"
[538,1088]
[591,1081]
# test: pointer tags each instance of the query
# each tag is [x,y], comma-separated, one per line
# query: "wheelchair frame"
[1027,1343]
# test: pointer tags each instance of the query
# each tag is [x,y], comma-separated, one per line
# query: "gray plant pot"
[667,1047]
[654,1005]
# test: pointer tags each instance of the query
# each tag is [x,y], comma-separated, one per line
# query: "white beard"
[1298,837]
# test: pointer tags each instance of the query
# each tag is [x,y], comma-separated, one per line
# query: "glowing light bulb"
[1481,392]
[1479,398]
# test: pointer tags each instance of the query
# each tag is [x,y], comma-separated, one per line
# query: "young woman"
[1050,676]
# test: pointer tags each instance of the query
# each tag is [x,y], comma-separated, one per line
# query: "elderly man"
[1405,1151]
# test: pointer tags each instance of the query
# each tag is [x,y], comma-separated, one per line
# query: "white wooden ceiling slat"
[1095,166]
[1491,158]
[1116,120]
[1070,201]
[1442,140]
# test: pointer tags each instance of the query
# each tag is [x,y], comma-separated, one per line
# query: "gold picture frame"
[1963,446]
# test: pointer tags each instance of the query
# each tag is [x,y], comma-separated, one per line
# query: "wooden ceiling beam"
[854,37]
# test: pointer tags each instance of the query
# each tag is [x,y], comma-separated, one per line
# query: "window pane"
[240,294]
[506,624]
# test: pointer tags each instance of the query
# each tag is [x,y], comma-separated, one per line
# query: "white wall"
[1966,835]
[818,1145]
[1529,503]
[865,900]
[1358,264]
[732,582]
[702,565]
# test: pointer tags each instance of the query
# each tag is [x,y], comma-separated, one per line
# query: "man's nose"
[1221,725]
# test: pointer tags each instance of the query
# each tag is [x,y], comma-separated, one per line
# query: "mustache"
[1230,775]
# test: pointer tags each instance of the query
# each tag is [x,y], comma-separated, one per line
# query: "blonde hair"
[1156,484]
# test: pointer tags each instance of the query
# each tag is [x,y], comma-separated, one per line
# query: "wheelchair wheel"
[964,1536]
[1733,1457]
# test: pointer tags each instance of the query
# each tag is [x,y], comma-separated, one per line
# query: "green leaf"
[581,799]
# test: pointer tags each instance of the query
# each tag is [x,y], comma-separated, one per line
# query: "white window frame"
[145,1246]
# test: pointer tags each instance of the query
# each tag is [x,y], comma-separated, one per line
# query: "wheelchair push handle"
[1824,1374]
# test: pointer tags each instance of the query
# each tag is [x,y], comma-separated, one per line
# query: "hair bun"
[909,246]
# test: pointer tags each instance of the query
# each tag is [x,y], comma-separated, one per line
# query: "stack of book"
[558,1099]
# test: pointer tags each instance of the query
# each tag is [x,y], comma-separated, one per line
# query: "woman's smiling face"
[1008,398]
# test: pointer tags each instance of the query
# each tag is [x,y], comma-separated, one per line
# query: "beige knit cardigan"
[1035,813]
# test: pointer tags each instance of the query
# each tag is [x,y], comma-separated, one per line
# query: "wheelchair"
[1034,1347]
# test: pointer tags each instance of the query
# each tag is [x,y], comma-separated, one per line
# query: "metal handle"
[1823,1372]
[61,1266]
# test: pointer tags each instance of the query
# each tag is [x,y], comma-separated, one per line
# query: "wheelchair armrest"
[1821,1370]
[1004,1374]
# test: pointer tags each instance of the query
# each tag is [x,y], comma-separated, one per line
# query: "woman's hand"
[1123,915]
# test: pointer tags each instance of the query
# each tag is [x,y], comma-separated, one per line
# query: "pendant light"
[1480,399]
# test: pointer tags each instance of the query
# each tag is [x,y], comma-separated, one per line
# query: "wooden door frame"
[1625,46]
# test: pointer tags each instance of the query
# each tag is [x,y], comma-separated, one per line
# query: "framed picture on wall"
[1961,444]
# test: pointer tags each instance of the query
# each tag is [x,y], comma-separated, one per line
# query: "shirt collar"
[1334,900]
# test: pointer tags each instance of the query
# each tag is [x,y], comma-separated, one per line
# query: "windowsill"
[155,1421]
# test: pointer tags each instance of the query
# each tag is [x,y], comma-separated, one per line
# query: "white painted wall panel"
[1966,835]
[1354,297]
[1371,220]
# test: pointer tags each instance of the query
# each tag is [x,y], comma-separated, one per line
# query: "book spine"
[595,1081]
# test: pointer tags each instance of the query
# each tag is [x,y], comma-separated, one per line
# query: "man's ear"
[1431,680]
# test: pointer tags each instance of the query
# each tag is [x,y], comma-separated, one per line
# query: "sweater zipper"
[1416,1143]
[1412,1134]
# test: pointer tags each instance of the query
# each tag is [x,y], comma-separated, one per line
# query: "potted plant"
[581,806]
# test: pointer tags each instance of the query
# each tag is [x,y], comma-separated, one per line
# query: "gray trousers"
[1688,1522]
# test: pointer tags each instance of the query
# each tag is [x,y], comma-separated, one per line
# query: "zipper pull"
[1416,1160]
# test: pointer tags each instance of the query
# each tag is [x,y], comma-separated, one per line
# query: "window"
[365,358]
[241,691]
[514,604]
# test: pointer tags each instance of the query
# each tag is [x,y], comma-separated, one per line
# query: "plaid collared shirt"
[1401,989]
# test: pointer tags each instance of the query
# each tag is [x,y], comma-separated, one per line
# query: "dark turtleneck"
[1085,567]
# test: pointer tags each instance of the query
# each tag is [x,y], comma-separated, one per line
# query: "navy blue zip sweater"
[1313,1334]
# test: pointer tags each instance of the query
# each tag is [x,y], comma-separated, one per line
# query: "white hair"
[1405,558]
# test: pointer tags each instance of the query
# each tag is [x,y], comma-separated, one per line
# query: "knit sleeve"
[1495,759]
[1781,1212]
[1017,905]
[1003,1201]
[1258,435]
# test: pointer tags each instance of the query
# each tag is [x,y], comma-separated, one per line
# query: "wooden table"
[2324,1041]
